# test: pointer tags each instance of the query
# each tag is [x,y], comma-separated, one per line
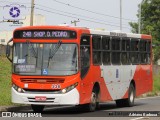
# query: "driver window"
[85,55]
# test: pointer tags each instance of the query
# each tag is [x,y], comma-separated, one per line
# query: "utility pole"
[139,20]
[75,22]
[32,13]
[121,15]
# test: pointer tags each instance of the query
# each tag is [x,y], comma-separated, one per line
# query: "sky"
[96,14]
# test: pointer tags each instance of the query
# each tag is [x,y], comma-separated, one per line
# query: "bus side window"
[148,50]
[85,57]
[106,54]
[134,45]
[134,51]
[96,44]
[116,52]
[96,58]
[125,48]
[115,43]
[143,54]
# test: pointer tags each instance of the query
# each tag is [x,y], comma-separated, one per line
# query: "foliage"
[156,83]
[150,23]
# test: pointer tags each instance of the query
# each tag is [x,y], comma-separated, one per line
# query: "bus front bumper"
[70,98]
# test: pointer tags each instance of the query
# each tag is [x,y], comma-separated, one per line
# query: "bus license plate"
[40,98]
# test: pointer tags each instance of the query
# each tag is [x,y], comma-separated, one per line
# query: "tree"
[150,23]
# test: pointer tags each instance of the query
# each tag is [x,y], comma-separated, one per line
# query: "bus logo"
[14,12]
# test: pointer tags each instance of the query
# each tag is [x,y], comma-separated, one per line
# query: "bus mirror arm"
[8,50]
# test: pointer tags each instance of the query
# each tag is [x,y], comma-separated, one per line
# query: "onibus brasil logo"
[14,12]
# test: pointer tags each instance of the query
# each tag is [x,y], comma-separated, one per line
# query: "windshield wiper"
[32,49]
[53,52]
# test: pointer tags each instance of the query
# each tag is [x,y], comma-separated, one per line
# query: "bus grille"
[37,91]
[42,80]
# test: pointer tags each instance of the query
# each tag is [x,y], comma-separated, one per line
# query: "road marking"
[148,98]
[139,118]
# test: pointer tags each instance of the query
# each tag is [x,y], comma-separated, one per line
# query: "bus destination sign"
[25,68]
[45,34]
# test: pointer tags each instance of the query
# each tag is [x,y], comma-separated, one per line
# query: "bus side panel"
[146,77]
[138,81]
[147,69]
[143,79]
[104,93]
[87,84]
[150,83]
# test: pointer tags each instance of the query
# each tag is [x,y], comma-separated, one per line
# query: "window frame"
[126,51]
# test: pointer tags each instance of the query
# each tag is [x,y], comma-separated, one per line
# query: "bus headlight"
[67,89]
[18,89]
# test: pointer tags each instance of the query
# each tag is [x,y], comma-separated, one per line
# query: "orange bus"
[63,65]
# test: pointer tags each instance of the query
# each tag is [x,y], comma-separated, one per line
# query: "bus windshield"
[45,59]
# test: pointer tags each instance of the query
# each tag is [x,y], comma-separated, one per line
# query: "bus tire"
[131,96]
[91,107]
[129,102]
[37,108]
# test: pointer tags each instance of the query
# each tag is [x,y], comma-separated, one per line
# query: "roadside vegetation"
[156,85]
[5,83]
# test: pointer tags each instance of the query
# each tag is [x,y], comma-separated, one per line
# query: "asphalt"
[14,108]
[146,102]
[142,105]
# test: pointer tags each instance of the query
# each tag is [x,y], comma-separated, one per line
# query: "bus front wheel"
[37,108]
[93,103]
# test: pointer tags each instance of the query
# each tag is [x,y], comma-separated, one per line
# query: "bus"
[65,65]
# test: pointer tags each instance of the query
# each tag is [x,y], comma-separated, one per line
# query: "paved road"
[107,110]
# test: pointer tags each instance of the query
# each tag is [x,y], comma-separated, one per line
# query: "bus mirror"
[8,50]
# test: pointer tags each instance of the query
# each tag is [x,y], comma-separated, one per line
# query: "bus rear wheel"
[37,108]
[131,96]
[129,102]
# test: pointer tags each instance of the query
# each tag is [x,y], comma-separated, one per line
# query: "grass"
[156,83]
[5,83]
[156,86]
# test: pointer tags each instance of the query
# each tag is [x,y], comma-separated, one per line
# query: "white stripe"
[101,32]
[139,118]
[117,79]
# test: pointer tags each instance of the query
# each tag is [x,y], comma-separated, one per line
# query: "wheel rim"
[131,97]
